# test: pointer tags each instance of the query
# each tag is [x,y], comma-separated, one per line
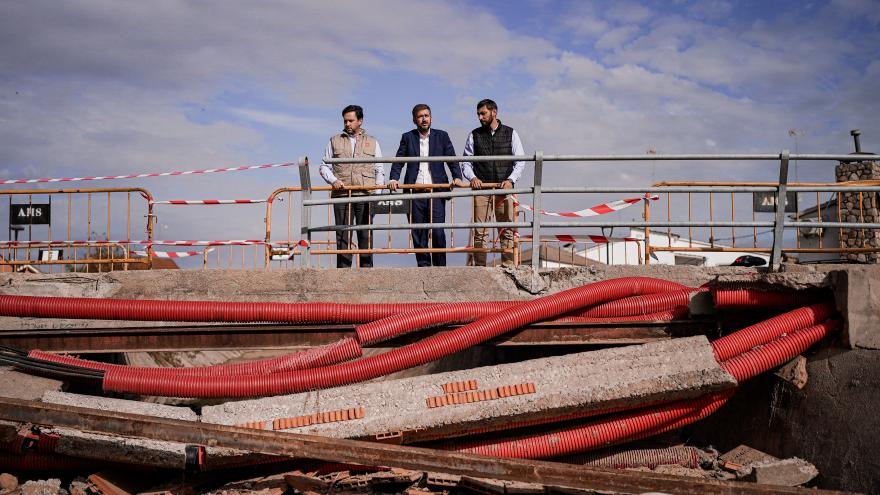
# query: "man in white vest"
[352,142]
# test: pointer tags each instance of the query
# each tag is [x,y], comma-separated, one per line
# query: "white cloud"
[710,9]
[617,37]
[629,12]
[306,125]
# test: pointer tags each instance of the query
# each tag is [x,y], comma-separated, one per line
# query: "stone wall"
[859,207]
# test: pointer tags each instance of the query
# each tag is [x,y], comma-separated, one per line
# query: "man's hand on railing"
[393,185]
[476,183]
[458,183]
[338,184]
[507,184]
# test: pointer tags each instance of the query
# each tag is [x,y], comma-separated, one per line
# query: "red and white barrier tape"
[601,209]
[173,254]
[209,202]
[242,242]
[141,176]
[596,239]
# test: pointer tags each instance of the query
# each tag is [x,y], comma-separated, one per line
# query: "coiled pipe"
[688,457]
[427,350]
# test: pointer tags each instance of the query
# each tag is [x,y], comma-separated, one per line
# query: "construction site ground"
[818,409]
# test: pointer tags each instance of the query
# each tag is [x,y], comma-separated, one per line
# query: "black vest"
[488,144]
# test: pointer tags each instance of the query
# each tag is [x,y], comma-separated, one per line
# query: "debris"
[306,483]
[8,482]
[786,472]
[442,481]
[80,486]
[741,456]
[795,372]
[119,482]
[395,476]
[43,487]
[487,486]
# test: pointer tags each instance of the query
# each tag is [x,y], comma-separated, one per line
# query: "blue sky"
[111,87]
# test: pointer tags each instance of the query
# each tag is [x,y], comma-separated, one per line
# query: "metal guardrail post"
[776,253]
[536,218]
[305,182]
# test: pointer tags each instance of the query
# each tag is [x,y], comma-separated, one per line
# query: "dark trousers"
[352,214]
[420,214]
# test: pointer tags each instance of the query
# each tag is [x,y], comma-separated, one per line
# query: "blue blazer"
[439,144]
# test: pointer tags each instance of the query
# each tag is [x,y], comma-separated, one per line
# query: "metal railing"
[289,245]
[92,209]
[822,209]
[537,190]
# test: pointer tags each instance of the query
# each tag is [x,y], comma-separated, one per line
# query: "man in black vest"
[493,138]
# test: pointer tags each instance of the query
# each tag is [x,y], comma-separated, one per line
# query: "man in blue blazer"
[424,141]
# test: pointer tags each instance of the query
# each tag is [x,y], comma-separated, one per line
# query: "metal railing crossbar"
[370,198]
[606,158]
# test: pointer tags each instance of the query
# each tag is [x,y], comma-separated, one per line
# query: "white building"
[632,252]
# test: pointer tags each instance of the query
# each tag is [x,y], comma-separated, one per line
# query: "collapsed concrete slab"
[160,454]
[455,403]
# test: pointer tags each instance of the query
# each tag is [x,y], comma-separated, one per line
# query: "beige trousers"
[502,209]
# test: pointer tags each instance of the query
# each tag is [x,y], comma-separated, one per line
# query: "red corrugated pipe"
[427,350]
[777,352]
[760,333]
[731,298]
[653,420]
[677,313]
[336,352]
[593,435]
[466,312]
[33,461]
[205,311]
[643,305]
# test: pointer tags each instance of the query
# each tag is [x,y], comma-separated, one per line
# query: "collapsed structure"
[542,408]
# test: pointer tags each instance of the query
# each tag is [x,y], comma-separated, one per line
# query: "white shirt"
[326,170]
[467,169]
[424,176]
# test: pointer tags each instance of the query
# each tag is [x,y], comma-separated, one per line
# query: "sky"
[109,87]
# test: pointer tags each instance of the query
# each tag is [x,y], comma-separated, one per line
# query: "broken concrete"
[409,408]
[858,295]
[786,472]
[795,372]
[18,385]
[120,405]
[830,422]
[149,453]
[43,487]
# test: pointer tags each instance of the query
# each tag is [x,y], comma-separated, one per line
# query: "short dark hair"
[489,104]
[418,108]
[358,111]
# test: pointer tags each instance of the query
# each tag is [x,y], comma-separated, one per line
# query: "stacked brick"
[860,207]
